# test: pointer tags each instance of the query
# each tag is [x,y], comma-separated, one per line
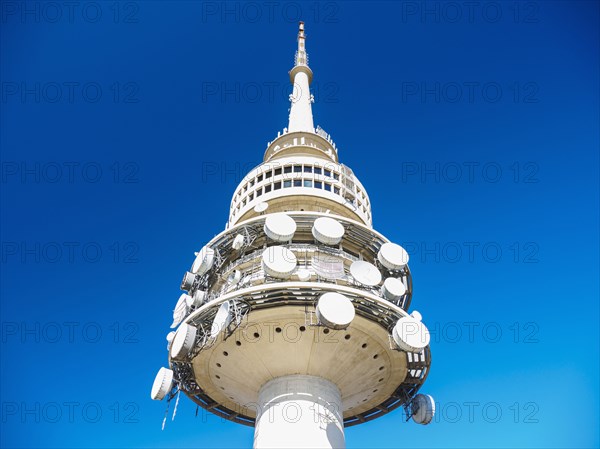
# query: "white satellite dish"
[410,334]
[335,310]
[416,315]
[238,242]
[197,299]
[170,336]
[393,289]
[303,274]
[366,273]
[423,409]
[163,382]
[280,227]
[328,231]
[234,277]
[392,256]
[261,207]
[222,320]
[188,281]
[279,262]
[204,261]
[183,342]
[181,310]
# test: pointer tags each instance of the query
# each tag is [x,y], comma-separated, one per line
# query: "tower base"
[299,411]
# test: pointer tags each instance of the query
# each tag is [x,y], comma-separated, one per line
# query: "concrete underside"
[278,342]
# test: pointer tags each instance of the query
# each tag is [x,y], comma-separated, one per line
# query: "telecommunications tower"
[295,318]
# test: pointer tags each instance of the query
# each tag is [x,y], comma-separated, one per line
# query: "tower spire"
[301,118]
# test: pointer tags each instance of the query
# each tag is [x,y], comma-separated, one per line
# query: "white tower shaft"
[301,118]
[299,411]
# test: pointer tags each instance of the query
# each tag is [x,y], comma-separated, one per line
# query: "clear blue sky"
[126,127]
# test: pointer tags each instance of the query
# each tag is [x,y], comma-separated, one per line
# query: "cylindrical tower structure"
[299,409]
[295,317]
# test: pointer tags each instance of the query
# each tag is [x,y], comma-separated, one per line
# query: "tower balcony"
[301,183]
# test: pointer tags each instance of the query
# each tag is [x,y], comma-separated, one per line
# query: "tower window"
[287,169]
[336,190]
[277,185]
[297,183]
[307,183]
[317,170]
[268,188]
[259,178]
[307,169]
[297,168]
[328,187]
[277,171]
[336,176]
[287,183]
[327,172]
[259,192]
[318,184]
[268,174]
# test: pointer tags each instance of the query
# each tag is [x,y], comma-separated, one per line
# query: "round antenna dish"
[188,281]
[221,321]
[416,315]
[335,310]
[197,299]
[279,262]
[181,310]
[238,242]
[183,342]
[393,289]
[392,256]
[410,334]
[170,337]
[234,277]
[366,273]
[204,261]
[303,274]
[328,231]
[280,227]
[423,409]
[261,207]
[163,382]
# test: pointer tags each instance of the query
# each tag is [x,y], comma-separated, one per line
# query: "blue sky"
[126,127]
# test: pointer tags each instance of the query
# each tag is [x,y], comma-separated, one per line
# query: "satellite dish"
[188,281]
[392,256]
[170,336]
[416,315]
[163,382]
[280,227]
[183,342]
[335,310]
[204,261]
[181,310]
[196,300]
[410,334]
[278,262]
[423,409]
[261,207]
[222,320]
[238,242]
[366,273]
[303,274]
[393,289]
[234,277]
[328,231]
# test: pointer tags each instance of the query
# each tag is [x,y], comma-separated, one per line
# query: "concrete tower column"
[299,411]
